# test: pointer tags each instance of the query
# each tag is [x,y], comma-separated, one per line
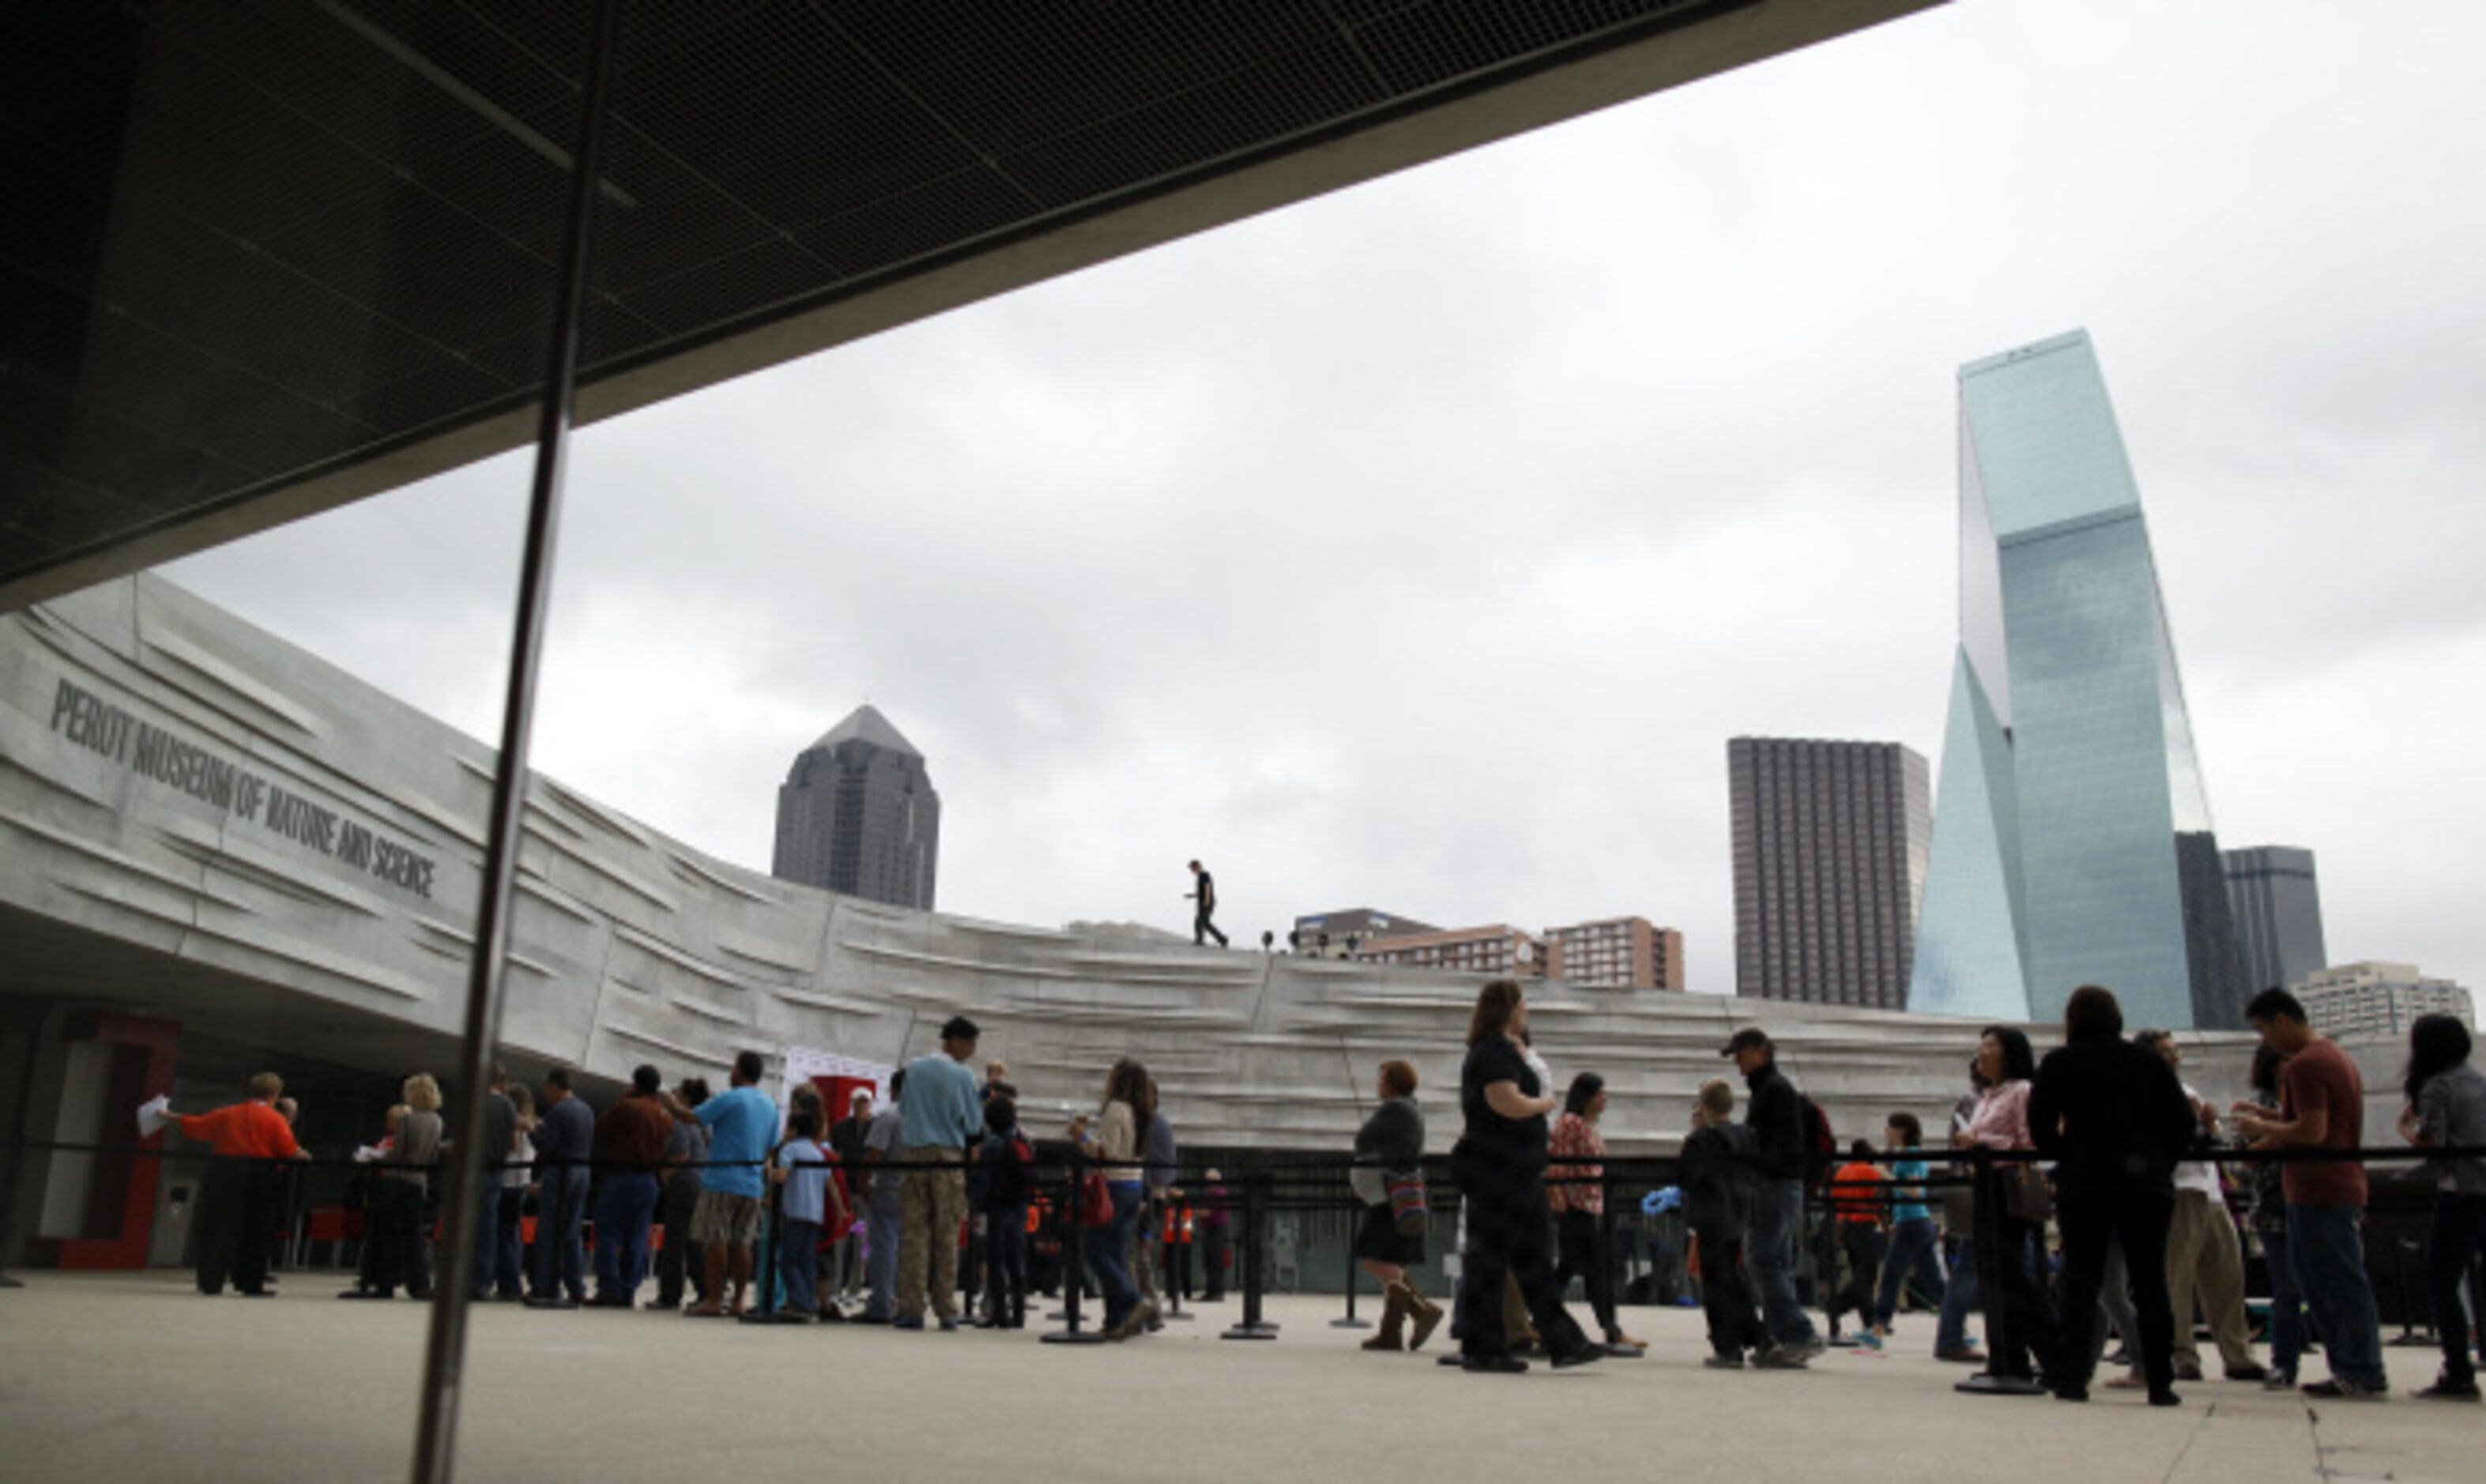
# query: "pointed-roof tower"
[858,815]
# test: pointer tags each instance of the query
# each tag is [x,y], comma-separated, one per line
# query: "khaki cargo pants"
[930,1205]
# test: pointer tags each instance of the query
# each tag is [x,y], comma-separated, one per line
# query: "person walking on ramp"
[1203,900]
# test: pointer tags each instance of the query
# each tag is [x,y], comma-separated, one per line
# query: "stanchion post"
[1071,1225]
[1350,1322]
[1254,1201]
[1988,1175]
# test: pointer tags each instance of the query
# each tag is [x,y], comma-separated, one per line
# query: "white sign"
[804,1063]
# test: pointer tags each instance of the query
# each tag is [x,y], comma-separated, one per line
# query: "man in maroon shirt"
[2322,1106]
[629,1148]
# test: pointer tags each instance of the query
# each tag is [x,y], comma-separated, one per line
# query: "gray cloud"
[1422,545]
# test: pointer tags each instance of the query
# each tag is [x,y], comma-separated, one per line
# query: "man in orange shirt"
[238,1199]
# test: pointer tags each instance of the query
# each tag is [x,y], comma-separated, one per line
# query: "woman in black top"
[1500,1165]
[2116,1121]
[1392,1139]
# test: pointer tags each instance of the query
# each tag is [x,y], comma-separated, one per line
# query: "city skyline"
[1245,548]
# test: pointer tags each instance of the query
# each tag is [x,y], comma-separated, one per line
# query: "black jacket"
[2112,1115]
[1775,1116]
[1719,1180]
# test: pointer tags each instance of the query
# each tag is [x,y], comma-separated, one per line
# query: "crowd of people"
[2107,1206]
[920,1209]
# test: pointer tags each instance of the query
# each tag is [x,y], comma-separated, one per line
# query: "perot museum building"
[275,258]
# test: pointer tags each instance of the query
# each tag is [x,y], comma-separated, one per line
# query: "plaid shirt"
[1575,1137]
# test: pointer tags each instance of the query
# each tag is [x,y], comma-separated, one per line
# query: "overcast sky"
[1421,546]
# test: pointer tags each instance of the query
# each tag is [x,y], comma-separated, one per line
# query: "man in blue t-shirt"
[944,1116]
[1916,1242]
[741,1124]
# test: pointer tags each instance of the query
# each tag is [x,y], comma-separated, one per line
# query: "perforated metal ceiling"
[252,245]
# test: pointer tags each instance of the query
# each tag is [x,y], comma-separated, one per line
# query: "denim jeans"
[798,1258]
[2458,1235]
[2287,1330]
[1959,1296]
[1108,1249]
[489,1255]
[623,1209]
[509,1270]
[1915,1246]
[1006,1264]
[2329,1257]
[561,1256]
[1778,1214]
[880,1247]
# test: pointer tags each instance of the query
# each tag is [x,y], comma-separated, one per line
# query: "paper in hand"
[151,1116]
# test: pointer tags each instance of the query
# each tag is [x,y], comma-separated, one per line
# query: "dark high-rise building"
[2277,909]
[858,815]
[1830,867]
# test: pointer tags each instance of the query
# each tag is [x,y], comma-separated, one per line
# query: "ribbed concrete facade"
[293,858]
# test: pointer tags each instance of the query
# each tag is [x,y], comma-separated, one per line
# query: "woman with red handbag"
[1113,1142]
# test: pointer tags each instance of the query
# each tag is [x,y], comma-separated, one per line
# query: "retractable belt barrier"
[1259,1186]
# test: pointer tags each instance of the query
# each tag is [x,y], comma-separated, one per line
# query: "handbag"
[1096,1200]
[2026,1194]
[1407,1207]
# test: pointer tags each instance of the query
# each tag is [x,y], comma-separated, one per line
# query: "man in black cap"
[944,1113]
[1775,1115]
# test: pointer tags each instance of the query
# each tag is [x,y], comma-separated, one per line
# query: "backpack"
[1820,1144]
[1012,1184]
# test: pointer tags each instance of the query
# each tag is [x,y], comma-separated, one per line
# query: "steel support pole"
[23,1111]
[444,1358]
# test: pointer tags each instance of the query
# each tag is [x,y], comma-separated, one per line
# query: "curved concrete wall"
[199,819]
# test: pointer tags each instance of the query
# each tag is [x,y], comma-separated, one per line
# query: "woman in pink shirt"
[2001,1122]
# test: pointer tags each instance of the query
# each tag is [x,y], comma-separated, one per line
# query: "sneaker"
[1869,1340]
[2340,1388]
[1494,1364]
[2278,1381]
[907,1322]
[1725,1362]
[1584,1354]
[1782,1358]
[2251,1370]
[1844,1341]
[2188,1373]
[950,1325]
[2446,1389]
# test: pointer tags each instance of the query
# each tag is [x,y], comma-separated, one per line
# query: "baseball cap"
[1750,1036]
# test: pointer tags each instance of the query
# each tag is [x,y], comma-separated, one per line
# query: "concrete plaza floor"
[138,1377]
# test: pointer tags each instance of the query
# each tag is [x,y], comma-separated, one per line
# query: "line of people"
[2124,1178]
[942,1157]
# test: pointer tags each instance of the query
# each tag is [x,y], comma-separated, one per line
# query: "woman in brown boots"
[1394,1138]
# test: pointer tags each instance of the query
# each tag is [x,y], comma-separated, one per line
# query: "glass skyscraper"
[2072,836]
